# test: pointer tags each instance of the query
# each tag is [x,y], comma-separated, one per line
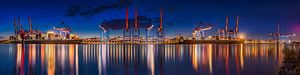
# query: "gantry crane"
[226,32]
[286,35]
[104,35]
[149,33]
[63,31]
[199,30]
[160,30]
[136,31]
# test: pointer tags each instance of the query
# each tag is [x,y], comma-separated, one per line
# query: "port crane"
[285,36]
[149,33]
[136,31]
[131,29]
[104,35]
[160,31]
[127,30]
[199,30]
[20,33]
[227,33]
[63,31]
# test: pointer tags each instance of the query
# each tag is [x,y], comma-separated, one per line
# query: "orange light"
[50,32]
[241,37]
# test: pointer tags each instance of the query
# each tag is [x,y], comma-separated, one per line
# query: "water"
[204,59]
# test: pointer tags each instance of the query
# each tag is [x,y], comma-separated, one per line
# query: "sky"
[257,17]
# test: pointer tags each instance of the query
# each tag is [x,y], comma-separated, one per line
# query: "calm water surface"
[198,59]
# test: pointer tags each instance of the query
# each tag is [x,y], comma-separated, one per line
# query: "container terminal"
[139,30]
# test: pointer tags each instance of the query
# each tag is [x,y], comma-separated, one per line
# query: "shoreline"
[80,41]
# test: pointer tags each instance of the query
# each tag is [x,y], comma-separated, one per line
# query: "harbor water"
[144,59]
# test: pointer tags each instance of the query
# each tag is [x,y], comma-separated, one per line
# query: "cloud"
[166,8]
[167,22]
[118,24]
[75,10]
[144,22]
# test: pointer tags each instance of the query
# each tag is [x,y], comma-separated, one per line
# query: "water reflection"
[20,59]
[74,59]
[150,59]
[50,59]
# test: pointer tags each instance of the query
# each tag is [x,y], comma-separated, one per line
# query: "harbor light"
[241,36]
[50,32]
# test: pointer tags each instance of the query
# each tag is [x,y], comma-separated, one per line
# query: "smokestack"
[136,19]
[126,27]
[237,24]
[19,21]
[30,24]
[161,19]
[226,24]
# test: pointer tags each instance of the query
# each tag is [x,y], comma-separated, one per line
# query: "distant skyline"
[257,17]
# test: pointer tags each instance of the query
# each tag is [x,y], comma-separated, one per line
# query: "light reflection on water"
[74,59]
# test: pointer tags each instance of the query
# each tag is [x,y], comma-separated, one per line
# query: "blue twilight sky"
[257,17]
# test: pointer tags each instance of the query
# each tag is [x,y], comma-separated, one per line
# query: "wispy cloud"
[80,10]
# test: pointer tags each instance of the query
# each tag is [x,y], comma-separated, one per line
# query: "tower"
[15,27]
[136,31]
[30,24]
[127,33]
[160,31]
[226,25]
[277,32]
[21,32]
[236,30]
[20,25]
